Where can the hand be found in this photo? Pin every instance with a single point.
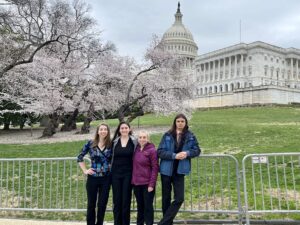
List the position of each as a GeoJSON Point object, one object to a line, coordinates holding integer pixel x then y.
{"type": "Point", "coordinates": [150, 189]}
{"type": "Point", "coordinates": [181, 155]}
{"type": "Point", "coordinates": [90, 171]}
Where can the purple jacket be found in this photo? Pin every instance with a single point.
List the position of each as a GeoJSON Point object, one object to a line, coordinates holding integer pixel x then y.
{"type": "Point", "coordinates": [145, 166]}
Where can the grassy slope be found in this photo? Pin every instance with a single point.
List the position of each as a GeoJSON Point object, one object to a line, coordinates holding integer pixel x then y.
{"type": "Point", "coordinates": [236, 131]}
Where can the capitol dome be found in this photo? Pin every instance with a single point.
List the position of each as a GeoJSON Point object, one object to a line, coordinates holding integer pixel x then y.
{"type": "Point", "coordinates": [179, 39]}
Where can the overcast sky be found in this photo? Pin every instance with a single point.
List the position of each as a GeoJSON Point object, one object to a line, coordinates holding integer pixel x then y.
{"type": "Point", "coordinates": [214, 24]}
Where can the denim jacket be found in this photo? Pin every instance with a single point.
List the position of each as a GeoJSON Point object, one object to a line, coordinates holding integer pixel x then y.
{"type": "Point", "coordinates": [167, 156]}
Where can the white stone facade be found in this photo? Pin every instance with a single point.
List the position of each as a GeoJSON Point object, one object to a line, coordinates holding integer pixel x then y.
{"type": "Point", "coordinates": [257, 66]}
{"type": "Point", "coordinates": [255, 73]}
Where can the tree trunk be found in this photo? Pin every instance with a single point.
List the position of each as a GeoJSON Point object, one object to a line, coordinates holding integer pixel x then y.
{"type": "Point", "coordinates": [6, 125]}
{"type": "Point", "coordinates": [70, 122]}
{"type": "Point", "coordinates": [50, 129]}
{"type": "Point", "coordinates": [134, 115]}
{"type": "Point", "coordinates": [22, 122]}
{"type": "Point", "coordinates": [85, 129]}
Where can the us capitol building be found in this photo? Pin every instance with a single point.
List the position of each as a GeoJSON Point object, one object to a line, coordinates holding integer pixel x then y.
{"type": "Point", "coordinates": [242, 74]}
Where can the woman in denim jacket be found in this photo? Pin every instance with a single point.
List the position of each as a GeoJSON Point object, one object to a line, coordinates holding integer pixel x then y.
{"type": "Point", "coordinates": [99, 179]}
{"type": "Point", "coordinates": [175, 151]}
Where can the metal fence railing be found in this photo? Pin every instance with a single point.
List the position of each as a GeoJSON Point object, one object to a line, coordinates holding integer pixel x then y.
{"type": "Point", "coordinates": [271, 184]}
{"type": "Point", "coordinates": [41, 184]}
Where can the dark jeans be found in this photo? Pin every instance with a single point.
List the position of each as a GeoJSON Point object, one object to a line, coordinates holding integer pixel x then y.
{"type": "Point", "coordinates": [144, 200]}
{"type": "Point", "coordinates": [97, 187]}
{"type": "Point", "coordinates": [170, 209]}
{"type": "Point", "coordinates": [121, 199]}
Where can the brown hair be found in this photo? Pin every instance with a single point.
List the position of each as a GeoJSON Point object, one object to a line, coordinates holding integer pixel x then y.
{"type": "Point", "coordinates": [117, 132]}
{"type": "Point", "coordinates": [173, 128]}
{"type": "Point", "coordinates": [107, 140]}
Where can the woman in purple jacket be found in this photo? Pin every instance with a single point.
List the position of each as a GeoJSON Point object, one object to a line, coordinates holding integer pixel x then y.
{"type": "Point", "coordinates": [144, 175]}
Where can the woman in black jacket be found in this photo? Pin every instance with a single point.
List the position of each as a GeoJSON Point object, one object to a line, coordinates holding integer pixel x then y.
{"type": "Point", "coordinates": [123, 147]}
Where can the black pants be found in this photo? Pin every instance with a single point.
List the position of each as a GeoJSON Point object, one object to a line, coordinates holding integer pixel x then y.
{"type": "Point", "coordinates": [121, 199]}
{"type": "Point", "coordinates": [144, 200]}
{"type": "Point", "coordinates": [97, 187]}
{"type": "Point", "coordinates": [170, 210]}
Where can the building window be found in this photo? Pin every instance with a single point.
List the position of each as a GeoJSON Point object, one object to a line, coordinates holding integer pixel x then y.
{"type": "Point", "coordinates": [266, 58]}
{"type": "Point", "coordinates": [250, 70]}
{"type": "Point", "coordinates": [271, 59]}
{"type": "Point", "coordinates": [250, 58]}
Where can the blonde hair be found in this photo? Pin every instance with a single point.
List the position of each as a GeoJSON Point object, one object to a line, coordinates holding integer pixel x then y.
{"type": "Point", "coordinates": [147, 134]}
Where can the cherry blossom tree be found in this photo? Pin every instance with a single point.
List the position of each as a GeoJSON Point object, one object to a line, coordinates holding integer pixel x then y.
{"type": "Point", "coordinates": [29, 26]}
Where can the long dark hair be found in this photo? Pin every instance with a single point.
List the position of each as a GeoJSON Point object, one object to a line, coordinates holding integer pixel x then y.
{"type": "Point", "coordinates": [173, 128]}
{"type": "Point", "coordinates": [117, 132]}
{"type": "Point", "coordinates": [107, 140]}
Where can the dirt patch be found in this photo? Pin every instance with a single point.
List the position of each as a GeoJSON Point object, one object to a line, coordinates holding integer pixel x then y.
{"type": "Point", "coordinates": [27, 137]}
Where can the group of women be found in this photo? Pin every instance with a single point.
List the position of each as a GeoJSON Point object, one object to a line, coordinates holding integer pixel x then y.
{"type": "Point", "coordinates": [127, 163]}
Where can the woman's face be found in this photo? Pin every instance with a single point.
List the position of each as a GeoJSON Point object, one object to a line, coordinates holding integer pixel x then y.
{"type": "Point", "coordinates": [103, 131]}
{"type": "Point", "coordinates": [143, 139]}
{"type": "Point", "coordinates": [180, 123]}
{"type": "Point", "coordinates": [124, 130]}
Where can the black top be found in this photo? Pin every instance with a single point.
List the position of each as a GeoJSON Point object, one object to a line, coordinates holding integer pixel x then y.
{"type": "Point", "coordinates": [122, 165]}
{"type": "Point", "coordinates": [177, 148]}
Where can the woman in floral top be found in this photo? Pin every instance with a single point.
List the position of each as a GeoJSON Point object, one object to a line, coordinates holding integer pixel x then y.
{"type": "Point", "coordinates": [99, 178]}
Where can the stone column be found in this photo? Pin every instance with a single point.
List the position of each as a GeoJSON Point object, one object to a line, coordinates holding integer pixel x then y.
{"type": "Point", "coordinates": [214, 70]}
{"type": "Point", "coordinates": [224, 68]}
{"type": "Point", "coordinates": [209, 70]}
{"type": "Point", "coordinates": [242, 66]}
{"type": "Point", "coordinates": [219, 69]}
{"type": "Point", "coordinates": [292, 69]}
{"type": "Point", "coordinates": [297, 69]}
{"type": "Point", "coordinates": [204, 70]}
{"type": "Point", "coordinates": [235, 66]}
{"type": "Point", "coordinates": [229, 68]}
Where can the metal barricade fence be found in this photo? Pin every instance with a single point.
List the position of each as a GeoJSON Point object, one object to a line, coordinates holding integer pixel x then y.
{"type": "Point", "coordinates": [271, 183]}
{"type": "Point", "coordinates": [41, 184]}
{"type": "Point", "coordinates": [58, 184]}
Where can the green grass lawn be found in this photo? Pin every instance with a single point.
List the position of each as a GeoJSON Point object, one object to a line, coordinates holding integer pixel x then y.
{"type": "Point", "coordinates": [235, 131]}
